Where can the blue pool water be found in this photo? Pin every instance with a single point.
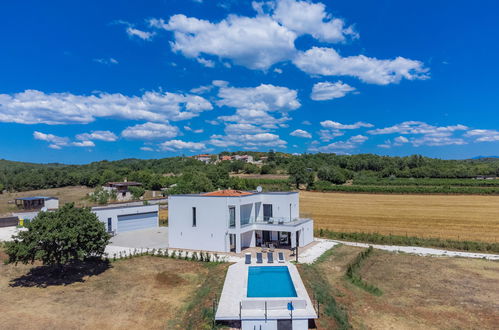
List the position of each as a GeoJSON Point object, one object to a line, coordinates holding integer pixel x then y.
{"type": "Point", "coordinates": [270, 281]}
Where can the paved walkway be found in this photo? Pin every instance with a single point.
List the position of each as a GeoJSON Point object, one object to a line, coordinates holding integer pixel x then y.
{"type": "Point", "coordinates": [7, 232]}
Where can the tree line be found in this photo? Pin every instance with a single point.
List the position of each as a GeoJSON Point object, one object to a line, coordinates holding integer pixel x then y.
{"type": "Point", "coordinates": [185, 174]}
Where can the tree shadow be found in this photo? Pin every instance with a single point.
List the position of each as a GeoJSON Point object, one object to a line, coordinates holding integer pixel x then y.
{"type": "Point", "coordinates": [76, 271]}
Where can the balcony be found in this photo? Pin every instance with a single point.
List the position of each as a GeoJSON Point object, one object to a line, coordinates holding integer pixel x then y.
{"type": "Point", "coordinates": [281, 221]}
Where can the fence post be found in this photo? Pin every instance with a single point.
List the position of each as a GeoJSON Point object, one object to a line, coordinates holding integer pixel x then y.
{"type": "Point", "coordinates": [214, 310]}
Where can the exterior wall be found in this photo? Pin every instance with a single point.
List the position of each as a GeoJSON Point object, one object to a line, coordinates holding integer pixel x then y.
{"type": "Point", "coordinates": [271, 324]}
{"type": "Point", "coordinates": [259, 324]}
{"type": "Point", "coordinates": [307, 234]}
{"type": "Point", "coordinates": [52, 203]}
{"type": "Point", "coordinates": [212, 216]}
{"type": "Point", "coordinates": [212, 230]}
{"type": "Point", "coordinates": [103, 213]}
{"type": "Point", "coordinates": [248, 239]}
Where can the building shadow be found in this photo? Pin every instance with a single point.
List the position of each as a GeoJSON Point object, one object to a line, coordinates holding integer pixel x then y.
{"type": "Point", "coordinates": [76, 271]}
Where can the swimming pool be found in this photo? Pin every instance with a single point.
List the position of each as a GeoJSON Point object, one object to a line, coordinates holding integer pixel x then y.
{"type": "Point", "coordinates": [270, 281]}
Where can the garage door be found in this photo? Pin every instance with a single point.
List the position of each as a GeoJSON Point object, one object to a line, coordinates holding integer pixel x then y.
{"type": "Point", "coordinates": [137, 221]}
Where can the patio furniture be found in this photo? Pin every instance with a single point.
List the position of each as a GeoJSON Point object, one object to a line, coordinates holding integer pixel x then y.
{"type": "Point", "coordinates": [259, 258]}
{"type": "Point", "coordinates": [280, 257]}
{"type": "Point", "coordinates": [247, 258]}
{"type": "Point", "coordinates": [271, 247]}
{"type": "Point", "coordinates": [270, 257]}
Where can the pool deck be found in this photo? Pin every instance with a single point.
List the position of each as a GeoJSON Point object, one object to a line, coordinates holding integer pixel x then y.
{"type": "Point", "coordinates": [235, 305]}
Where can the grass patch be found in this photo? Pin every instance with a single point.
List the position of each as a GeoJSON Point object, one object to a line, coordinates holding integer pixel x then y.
{"type": "Point", "coordinates": [352, 273]}
{"type": "Point", "coordinates": [199, 311]}
{"type": "Point", "coordinates": [375, 238]}
{"type": "Point", "coordinates": [321, 290]}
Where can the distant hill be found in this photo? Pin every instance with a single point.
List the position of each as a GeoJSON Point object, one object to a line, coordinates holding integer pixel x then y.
{"type": "Point", "coordinates": [485, 157]}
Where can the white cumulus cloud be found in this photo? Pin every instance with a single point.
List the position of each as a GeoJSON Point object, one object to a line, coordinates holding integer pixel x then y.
{"type": "Point", "coordinates": [327, 62]}
{"type": "Point", "coordinates": [483, 135]}
{"type": "Point", "coordinates": [301, 133]}
{"type": "Point", "coordinates": [149, 131]}
{"type": "Point", "coordinates": [304, 17]}
{"type": "Point", "coordinates": [36, 107]}
{"type": "Point", "coordinates": [327, 91]}
{"type": "Point", "coordinates": [107, 136]}
{"type": "Point", "coordinates": [265, 97]}
{"type": "Point", "coordinates": [176, 145]}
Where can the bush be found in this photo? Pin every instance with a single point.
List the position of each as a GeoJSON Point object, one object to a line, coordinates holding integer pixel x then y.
{"type": "Point", "coordinates": [375, 238]}
{"type": "Point", "coordinates": [137, 192]}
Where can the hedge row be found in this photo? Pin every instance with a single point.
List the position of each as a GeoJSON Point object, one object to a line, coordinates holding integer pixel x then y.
{"type": "Point", "coordinates": [353, 275]}
{"type": "Point", "coordinates": [375, 238]}
{"type": "Point", "coordinates": [425, 182]}
{"type": "Point", "coordinates": [456, 190]}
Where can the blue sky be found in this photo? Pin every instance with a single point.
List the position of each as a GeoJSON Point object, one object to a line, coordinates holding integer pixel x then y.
{"type": "Point", "coordinates": [89, 80]}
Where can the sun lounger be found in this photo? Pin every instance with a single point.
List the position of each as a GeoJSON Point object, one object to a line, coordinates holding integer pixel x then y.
{"type": "Point", "coordinates": [259, 258]}
{"type": "Point", "coordinates": [270, 257]}
{"type": "Point", "coordinates": [247, 258]}
{"type": "Point", "coordinates": [280, 257]}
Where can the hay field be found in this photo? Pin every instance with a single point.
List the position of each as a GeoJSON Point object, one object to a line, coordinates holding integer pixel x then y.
{"type": "Point", "coordinates": [462, 217]}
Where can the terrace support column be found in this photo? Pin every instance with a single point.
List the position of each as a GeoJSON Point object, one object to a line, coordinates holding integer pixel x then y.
{"type": "Point", "coordinates": [238, 243]}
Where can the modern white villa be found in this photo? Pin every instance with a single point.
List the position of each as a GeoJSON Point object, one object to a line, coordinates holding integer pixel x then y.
{"type": "Point", "coordinates": [232, 220]}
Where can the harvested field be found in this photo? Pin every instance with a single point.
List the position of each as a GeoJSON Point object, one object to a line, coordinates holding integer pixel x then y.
{"type": "Point", "coordinates": [74, 194]}
{"type": "Point", "coordinates": [460, 217]}
{"type": "Point", "coordinates": [418, 292]}
{"type": "Point", "coordinates": [139, 293]}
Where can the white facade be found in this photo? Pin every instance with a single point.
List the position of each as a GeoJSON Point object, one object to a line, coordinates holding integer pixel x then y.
{"type": "Point", "coordinates": [126, 218]}
{"type": "Point", "coordinates": [232, 223]}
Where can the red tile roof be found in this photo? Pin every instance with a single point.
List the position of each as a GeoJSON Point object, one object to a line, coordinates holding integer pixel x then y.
{"type": "Point", "coordinates": [228, 193]}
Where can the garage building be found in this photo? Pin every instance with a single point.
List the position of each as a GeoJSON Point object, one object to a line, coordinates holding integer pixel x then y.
{"type": "Point", "coordinates": [119, 219]}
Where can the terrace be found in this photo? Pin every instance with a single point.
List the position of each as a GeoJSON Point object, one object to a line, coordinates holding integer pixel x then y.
{"type": "Point", "coordinates": [237, 303]}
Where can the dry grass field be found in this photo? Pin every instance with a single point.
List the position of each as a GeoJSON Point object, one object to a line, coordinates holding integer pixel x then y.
{"type": "Point", "coordinates": [66, 195]}
{"type": "Point", "coordinates": [140, 293]}
{"type": "Point", "coordinates": [418, 292]}
{"type": "Point", "coordinates": [462, 217]}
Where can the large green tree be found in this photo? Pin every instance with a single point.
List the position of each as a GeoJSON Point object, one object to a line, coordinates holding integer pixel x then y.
{"type": "Point", "coordinates": [60, 237]}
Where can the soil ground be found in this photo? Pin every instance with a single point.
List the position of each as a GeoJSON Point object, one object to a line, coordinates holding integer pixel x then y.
{"type": "Point", "coordinates": [468, 217]}
{"type": "Point", "coordinates": [139, 293]}
{"type": "Point", "coordinates": [418, 292]}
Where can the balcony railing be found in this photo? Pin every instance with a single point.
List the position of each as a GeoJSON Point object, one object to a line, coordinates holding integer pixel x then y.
{"type": "Point", "coordinates": [268, 221]}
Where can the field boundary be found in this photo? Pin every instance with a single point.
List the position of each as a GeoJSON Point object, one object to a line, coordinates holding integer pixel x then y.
{"type": "Point", "coordinates": [353, 276]}
{"type": "Point", "coordinates": [410, 241]}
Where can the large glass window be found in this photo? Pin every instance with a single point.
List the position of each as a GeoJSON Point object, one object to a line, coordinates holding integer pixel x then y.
{"type": "Point", "coordinates": [232, 216]}
{"type": "Point", "coordinates": [194, 220]}
{"type": "Point", "coordinates": [267, 212]}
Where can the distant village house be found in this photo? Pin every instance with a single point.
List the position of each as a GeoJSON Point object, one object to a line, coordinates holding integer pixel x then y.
{"type": "Point", "coordinates": [121, 189]}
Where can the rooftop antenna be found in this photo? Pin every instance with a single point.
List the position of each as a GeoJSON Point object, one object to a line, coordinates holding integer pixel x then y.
{"type": "Point", "coordinates": [259, 189]}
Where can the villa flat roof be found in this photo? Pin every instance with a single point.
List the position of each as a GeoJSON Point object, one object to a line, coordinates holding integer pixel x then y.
{"type": "Point", "coordinates": [237, 193]}
{"type": "Point", "coordinates": [229, 193]}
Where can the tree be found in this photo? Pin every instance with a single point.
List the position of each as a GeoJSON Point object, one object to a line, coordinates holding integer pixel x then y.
{"type": "Point", "coordinates": [137, 192]}
{"type": "Point", "coordinates": [298, 173]}
{"type": "Point", "coordinates": [1, 188]}
{"type": "Point", "coordinates": [332, 174]}
{"type": "Point", "coordinates": [59, 237]}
